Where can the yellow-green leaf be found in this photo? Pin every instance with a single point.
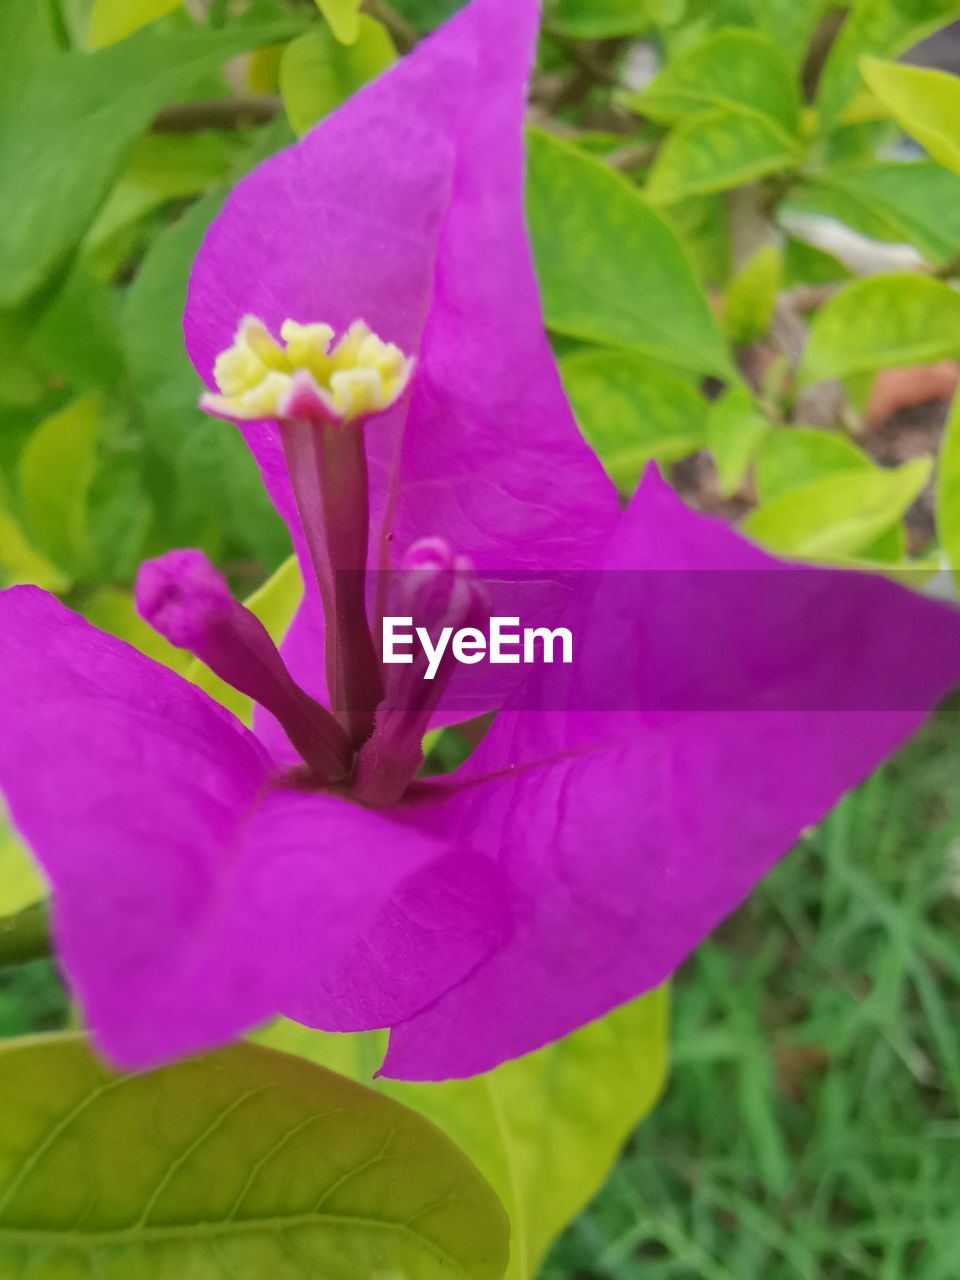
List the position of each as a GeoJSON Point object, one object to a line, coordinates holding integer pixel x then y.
{"type": "Point", "coordinates": [602, 19]}
{"type": "Point", "coordinates": [925, 103]}
{"type": "Point", "coordinates": [883, 323]}
{"type": "Point", "coordinates": [884, 28]}
{"type": "Point", "coordinates": [343, 18]}
{"type": "Point", "coordinates": [113, 20]}
{"type": "Point", "coordinates": [56, 469]}
{"type": "Point", "coordinates": [752, 296]}
{"type": "Point", "coordinates": [716, 151]}
{"type": "Point", "coordinates": [318, 73]}
{"type": "Point", "coordinates": [793, 457]}
{"type": "Point", "coordinates": [544, 1129]}
{"type": "Point", "coordinates": [611, 270]}
{"type": "Point", "coordinates": [735, 70]}
{"type": "Point", "coordinates": [275, 604]}
{"type": "Point", "coordinates": [633, 412]}
{"type": "Point", "coordinates": [245, 1163]}
{"type": "Point", "coordinates": [735, 430]}
{"type": "Point", "coordinates": [841, 515]}
{"type": "Point", "coordinates": [20, 562]}
{"type": "Point", "coordinates": [948, 490]}
{"type": "Point", "coordinates": [21, 884]}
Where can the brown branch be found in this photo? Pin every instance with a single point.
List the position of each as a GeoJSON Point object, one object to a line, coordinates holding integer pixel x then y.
{"type": "Point", "coordinates": [218, 113]}
{"type": "Point", "coordinates": [404, 35]}
{"type": "Point", "coordinates": [632, 156]}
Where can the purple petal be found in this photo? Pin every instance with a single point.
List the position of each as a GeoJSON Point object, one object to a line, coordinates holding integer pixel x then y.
{"type": "Point", "coordinates": [625, 837]}
{"type": "Point", "coordinates": [405, 208]}
{"type": "Point", "coordinates": [192, 900]}
{"type": "Point", "coordinates": [434, 932]}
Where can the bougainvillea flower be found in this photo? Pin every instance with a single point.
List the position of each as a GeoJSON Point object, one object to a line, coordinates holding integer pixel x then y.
{"type": "Point", "coordinates": [365, 309]}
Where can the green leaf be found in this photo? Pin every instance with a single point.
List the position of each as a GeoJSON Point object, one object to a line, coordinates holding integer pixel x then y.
{"type": "Point", "coordinates": [205, 484]}
{"type": "Point", "coordinates": [886, 28]}
{"type": "Point", "coordinates": [739, 71]}
{"type": "Point", "coordinates": [917, 203]}
{"type": "Point", "coordinates": [73, 126]}
{"type": "Point", "coordinates": [21, 562]}
{"type": "Point", "coordinates": [21, 884]}
{"type": "Point", "coordinates": [243, 1163]}
{"type": "Point", "coordinates": [427, 15]}
{"type": "Point", "coordinates": [275, 604]}
{"type": "Point", "coordinates": [790, 23]}
{"type": "Point", "coordinates": [27, 43]}
{"type": "Point", "coordinates": [544, 1129]}
{"type": "Point", "coordinates": [702, 225]}
{"type": "Point", "coordinates": [792, 458]}
{"type": "Point", "coordinates": [796, 457]}
{"type": "Point", "coordinates": [56, 469]}
{"type": "Point", "coordinates": [752, 296]}
{"type": "Point", "coordinates": [601, 19]}
{"type": "Point", "coordinates": [716, 151]}
{"type": "Point", "coordinates": [318, 72]}
{"type": "Point", "coordinates": [22, 382]}
{"type": "Point", "coordinates": [343, 18]}
{"type": "Point", "coordinates": [611, 270]}
{"type": "Point", "coordinates": [114, 20]}
{"type": "Point", "coordinates": [76, 337]}
{"type": "Point", "coordinates": [841, 515]}
{"type": "Point", "coordinates": [735, 430]}
{"type": "Point", "coordinates": [632, 412]}
{"type": "Point", "coordinates": [948, 490]}
{"type": "Point", "coordinates": [925, 103]}
{"type": "Point", "coordinates": [883, 322]}
{"type": "Point", "coordinates": [163, 167]}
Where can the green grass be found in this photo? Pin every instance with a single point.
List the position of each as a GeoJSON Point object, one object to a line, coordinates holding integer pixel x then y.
{"type": "Point", "coordinates": [811, 1127]}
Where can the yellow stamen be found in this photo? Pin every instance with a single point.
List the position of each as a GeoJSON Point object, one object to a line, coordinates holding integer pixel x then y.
{"type": "Point", "coordinates": [259, 377]}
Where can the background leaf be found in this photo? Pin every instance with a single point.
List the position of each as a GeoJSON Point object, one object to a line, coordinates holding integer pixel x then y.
{"type": "Point", "coordinates": [21, 884]}
{"type": "Point", "coordinates": [752, 296]}
{"type": "Point", "coordinates": [611, 270]}
{"type": "Point", "coordinates": [319, 71]}
{"type": "Point", "coordinates": [543, 1129]}
{"type": "Point", "coordinates": [204, 482]}
{"type": "Point", "coordinates": [113, 20]}
{"type": "Point", "coordinates": [883, 27]}
{"type": "Point", "coordinates": [839, 516]}
{"type": "Point", "coordinates": [925, 103]}
{"type": "Point", "coordinates": [245, 1162]}
{"type": "Point", "coordinates": [601, 19]}
{"type": "Point", "coordinates": [880, 323]}
{"type": "Point", "coordinates": [56, 470]}
{"type": "Point", "coordinates": [716, 151]}
{"type": "Point", "coordinates": [732, 71]}
{"type": "Point", "coordinates": [632, 412]}
{"type": "Point", "coordinates": [72, 128]}
{"type": "Point", "coordinates": [791, 459]}
{"type": "Point", "coordinates": [735, 429]}
{"type": "Point", "coordinates": [343, 18]}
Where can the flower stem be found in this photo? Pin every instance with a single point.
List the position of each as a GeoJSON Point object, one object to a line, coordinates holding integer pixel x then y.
{"type": "Point", "coordinates": [328, 469]}
{"type": "Point", "coordinates": [356, 685]}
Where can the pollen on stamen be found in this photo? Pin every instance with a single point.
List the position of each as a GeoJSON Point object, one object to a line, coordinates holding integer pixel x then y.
{"type": "Point", "coordinates": [306, 376]}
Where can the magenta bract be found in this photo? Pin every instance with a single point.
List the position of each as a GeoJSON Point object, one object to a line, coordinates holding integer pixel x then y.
{"type": "Point", "coordinates": [204, 880]}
